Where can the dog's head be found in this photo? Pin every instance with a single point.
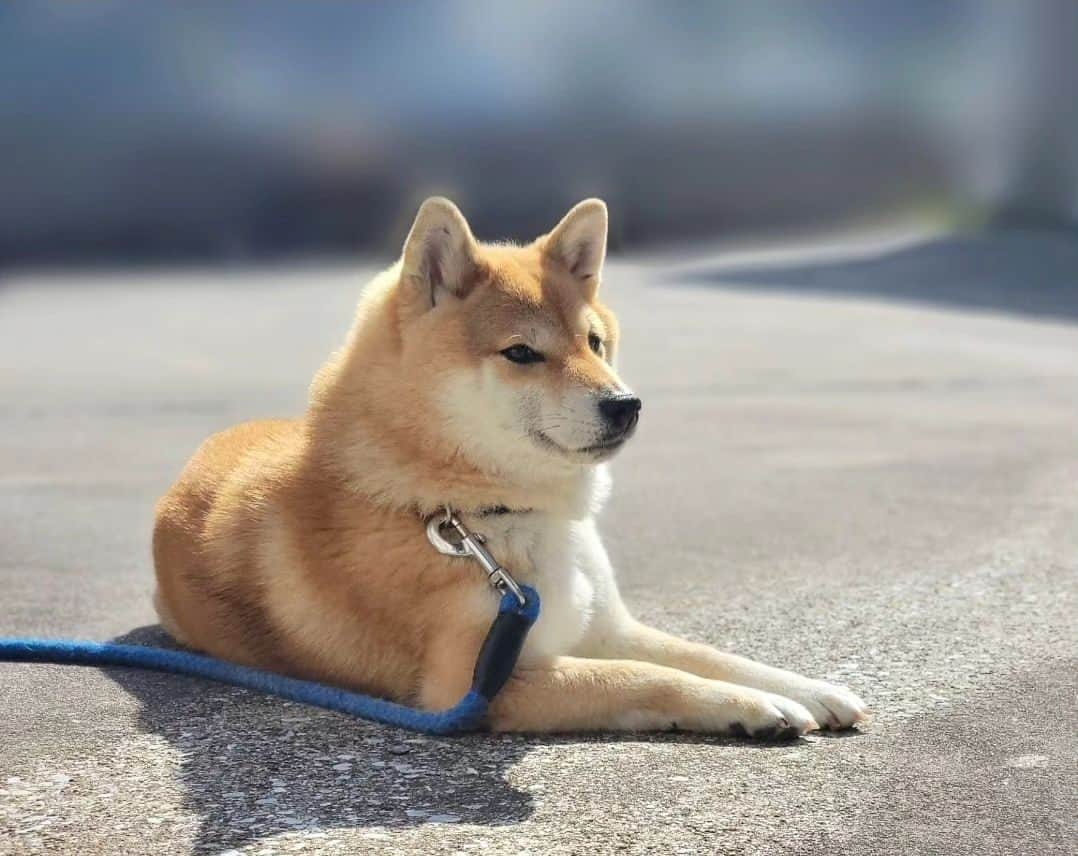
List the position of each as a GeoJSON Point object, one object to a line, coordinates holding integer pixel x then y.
{"type": "Point", "coordinates": [511, 346]}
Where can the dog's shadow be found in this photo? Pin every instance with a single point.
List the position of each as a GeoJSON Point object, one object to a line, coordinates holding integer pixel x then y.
{"type": "Point", "coordinates": [253, 766]}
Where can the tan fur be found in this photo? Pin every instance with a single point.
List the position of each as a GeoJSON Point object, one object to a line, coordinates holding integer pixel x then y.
{"type": "Point", "coordinates": [298, 545]}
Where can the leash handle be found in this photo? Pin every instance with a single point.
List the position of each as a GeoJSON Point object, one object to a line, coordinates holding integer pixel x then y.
{"type": "Point", "coordinates": [505, 639]}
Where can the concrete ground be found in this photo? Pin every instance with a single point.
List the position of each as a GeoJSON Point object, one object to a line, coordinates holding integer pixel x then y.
{"type": "Point", "coordinates": [860, 462]}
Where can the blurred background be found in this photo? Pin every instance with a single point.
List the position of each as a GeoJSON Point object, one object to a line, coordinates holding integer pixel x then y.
{"type": "Point", "coordinates": [206, 132]}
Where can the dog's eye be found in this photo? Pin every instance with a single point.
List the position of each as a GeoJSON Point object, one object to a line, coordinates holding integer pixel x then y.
{"type": "Point", "coordinates": [522, 354]}
{"type": "Point", "coordinates": [595, 343]}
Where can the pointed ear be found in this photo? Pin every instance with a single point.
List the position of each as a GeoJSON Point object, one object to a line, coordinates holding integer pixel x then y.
{"type": "Point", "coordinates": [579, 241]}
{"type": "Point", "coordinates": [439, 256]}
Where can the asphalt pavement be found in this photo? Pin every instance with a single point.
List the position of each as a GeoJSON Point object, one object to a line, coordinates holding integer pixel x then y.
{"type": "Point", "coordinates": [856, 460]}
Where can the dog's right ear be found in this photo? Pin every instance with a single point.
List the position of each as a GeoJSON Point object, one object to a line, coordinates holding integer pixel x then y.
{"type": "Point", "coordinates": [439, 257]}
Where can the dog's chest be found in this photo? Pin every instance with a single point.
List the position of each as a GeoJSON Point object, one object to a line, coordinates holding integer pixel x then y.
{"type": "Point", "coordinates": [546, 554]}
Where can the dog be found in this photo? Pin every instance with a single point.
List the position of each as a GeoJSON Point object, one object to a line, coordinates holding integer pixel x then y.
{"type": "Point", "coordinates": [480, 377]}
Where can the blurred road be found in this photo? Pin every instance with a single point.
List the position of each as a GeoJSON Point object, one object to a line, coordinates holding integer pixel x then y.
{"type": "Point", "coordinates": [875, 490]}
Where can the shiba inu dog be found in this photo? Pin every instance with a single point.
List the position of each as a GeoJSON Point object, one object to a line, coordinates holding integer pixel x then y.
{"type": "Point", "coordinates": [482, 377]}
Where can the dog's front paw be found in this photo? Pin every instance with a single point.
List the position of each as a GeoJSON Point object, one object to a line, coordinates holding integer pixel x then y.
{"type": "Point", "coordinates": [771, 717]}
{"type": "Point", "coordinates": [834, 707]}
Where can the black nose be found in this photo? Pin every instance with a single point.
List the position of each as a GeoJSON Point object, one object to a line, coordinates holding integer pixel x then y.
{"type": "Point", "coordinates": [620, 411]}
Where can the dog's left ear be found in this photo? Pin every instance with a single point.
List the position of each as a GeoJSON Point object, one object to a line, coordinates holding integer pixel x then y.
{"type": "Point", "coordinates": [439, 255]}
{"type": "Point", "coordinates": [579, 242]}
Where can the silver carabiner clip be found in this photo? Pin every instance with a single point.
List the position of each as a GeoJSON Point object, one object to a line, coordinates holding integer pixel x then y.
{"type": "Point", "coordinates": [439, 542]}
{"type": "Point", "coordinates": [471, 546]}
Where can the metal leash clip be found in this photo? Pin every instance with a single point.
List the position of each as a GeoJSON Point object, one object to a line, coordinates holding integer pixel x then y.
{"type": "Point", "coordinates": [471, 546]}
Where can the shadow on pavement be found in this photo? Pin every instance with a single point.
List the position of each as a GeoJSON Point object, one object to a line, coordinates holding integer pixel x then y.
{"type": "Point", "coordinates": [254, 766]}
{"type": "Point", "coordinates": [1030, 273]}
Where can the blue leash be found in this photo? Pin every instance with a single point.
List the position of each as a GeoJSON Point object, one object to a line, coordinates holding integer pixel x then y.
{"type": "Point", "coordinates": [495, 663]}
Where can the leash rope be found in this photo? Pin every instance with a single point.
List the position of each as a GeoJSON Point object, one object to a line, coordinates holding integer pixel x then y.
{"type": "Point", "coordinates": [517, 612]}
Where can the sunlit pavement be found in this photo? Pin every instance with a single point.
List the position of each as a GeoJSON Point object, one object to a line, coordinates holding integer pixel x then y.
{"type": "Point", "coordinates": [878, 491]}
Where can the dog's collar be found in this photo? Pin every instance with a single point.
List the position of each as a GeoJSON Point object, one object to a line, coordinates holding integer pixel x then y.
{"type": "Point", "coordinates": [498, 510]}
